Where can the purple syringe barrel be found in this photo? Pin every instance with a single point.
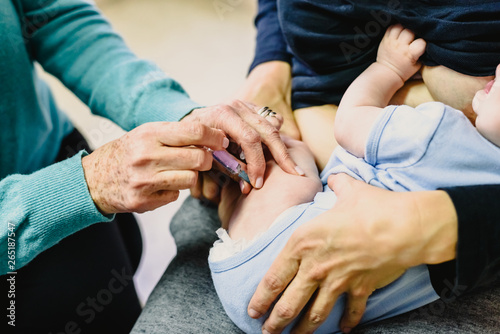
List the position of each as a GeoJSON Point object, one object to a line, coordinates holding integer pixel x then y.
{"type": "Point", "coordinates": [227, 160]}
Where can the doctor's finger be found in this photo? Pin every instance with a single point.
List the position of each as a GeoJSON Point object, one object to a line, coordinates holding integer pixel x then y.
{"type": "Point", "coordinates": [295, 297]}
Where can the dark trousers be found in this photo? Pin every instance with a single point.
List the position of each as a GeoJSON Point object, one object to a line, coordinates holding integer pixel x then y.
{"type": "Point", "coordinates": [84, 283]}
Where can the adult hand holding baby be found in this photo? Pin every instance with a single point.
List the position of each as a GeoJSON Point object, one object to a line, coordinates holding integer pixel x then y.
{"type": "Point", "coordinates": [366, 248]}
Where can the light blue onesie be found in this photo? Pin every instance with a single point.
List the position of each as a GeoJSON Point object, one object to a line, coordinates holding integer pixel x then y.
{"type": "Point", "coordinates": [408, 149]}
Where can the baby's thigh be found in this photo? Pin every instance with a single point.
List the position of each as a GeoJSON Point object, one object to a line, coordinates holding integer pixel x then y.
{"type": "Point", "coordinates": [413, 93]}
{"type": "Point", "coordinates": [316, 129]}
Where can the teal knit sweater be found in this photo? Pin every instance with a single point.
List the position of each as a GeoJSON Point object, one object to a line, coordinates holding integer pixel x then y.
{"type": "Point", "coordinates": [41, 202]}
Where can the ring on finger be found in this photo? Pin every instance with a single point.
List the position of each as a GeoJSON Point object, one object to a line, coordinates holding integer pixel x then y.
{"type": "Point", "coordinates": [265, 111]}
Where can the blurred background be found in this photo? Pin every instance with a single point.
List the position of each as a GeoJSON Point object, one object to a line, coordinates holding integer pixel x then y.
{"type": "Point", "coordinates": [206, 45]}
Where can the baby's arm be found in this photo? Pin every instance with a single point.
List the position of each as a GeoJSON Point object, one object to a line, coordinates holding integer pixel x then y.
{"type": "Point", "coordinates": [364, 100]}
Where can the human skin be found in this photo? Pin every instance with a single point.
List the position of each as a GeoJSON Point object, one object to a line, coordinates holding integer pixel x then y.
{"type": "Point", "coordinates": [452, 88]}
{"type": "Point", "coordinates": [250, 131]}
{"type": "Point", "coordinates": [268, 84]}
{"type": "Point", "coordinates": [486, 105]}
{"type": "Point", "coordinates": [397, 60]}
{"type": "Point", "coordinates": [277, 95]}
{"type": "Point", "coordinates": [241, 122]}
{"type": "Point", "coordinates": [353, 248]}
{"type": "Point", "coordinates": [316, 123]}
{"type": "Point", "coordinates": [145, 168]}
{"type": "Point", "coordinates": [439, 84]}
{"type": "Point", "coordinates": [362, 252]}
{"type": "Point", "coordinates": [369, 94]}
{"type": "Point", "coordinates": [246, 216]}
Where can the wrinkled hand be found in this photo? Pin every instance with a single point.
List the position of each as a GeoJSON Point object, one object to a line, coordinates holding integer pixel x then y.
{"type": "Point", "coordinates": [240, 121]}
{"type": "Point", "coordinates": [400, 51]}
{"type": "Point", "coordinates": [146, 167]}
{"type": "Point", "coordinates": [364, 242]}
{"type": "Point", "coordinates": [269, 84]}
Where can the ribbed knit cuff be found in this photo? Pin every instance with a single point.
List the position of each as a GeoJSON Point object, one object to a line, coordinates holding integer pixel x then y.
{"type": "Point", "coordinates": [59, 202]}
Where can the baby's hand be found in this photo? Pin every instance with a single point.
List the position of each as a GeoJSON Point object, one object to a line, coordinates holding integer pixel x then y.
{"type": "Point", "coordinates": [399, 50]}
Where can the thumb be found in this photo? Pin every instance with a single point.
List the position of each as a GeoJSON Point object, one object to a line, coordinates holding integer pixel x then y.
{"type": "Point", "coordinates": [340, 183]}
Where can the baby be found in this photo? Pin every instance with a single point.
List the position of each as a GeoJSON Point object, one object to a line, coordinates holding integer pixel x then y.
{"type": "Point", "coordinates": [395, 147]}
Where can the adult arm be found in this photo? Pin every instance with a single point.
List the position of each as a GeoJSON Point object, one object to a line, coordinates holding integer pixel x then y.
{"type": "Point", "coordinates": [40, 209]}
{"type": "Point", "coordinates": [269, 80]}
{"type": "Point", "coordinates": [268, 84]}
{"type": "Point", "coordinates": [140, 171]}
{"type": "Point", "coordinates": [75, 43]}
{"type": "Point", "coordinates": [270, 43]}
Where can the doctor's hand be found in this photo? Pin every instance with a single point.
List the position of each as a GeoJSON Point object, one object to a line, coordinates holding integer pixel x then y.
{"type": "Point", "coordinates": [270, 84]}
{"type": "Point", "coordinates": [145, 168]}
{"type": "Point", "coordinates": [366, 241]}
{"type": "Point", "coordinates": [241, 122]}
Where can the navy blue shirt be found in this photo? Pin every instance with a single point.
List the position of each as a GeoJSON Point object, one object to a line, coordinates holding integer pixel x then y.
{"type": "Point", "coordinates": [329, 43]}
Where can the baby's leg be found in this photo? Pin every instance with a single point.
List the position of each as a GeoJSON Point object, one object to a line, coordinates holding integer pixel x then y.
{"type": "Point", "coordinates": [237, 277]}
{"type": "Point", "coordinates": [412, 94]}
{"type": "Point", "coordinates": [316, 129]}
{"type": "Point", "coordinates": [250, 215]}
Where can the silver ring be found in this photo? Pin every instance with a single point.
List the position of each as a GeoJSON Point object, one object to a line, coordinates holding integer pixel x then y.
{"type": "Point", "coordinates": [264, 111]}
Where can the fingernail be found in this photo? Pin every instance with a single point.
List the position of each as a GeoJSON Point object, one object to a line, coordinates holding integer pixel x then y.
{"type": "Point", "coordinates": [264, 331]}
{"type": "Point", "coordinates": [259, 183]}
{"type": "Point", "coordinates": [300, 171]}
{"type": "Point", "coordinates": [225, 142]}
{"type": "Point", "coordinates": [346, 329]}
{"type": "Point", "coordinates": [242, 185]}
{"type": "Point", "coordinates": [253, 314]}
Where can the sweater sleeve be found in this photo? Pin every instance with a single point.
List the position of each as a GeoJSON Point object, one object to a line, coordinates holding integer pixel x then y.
{"type": "Point", "coordinates": [39, 210]}
{"type": "Point", "coordinates": [478, 249]}
{"type": "Point", "coordinates": [75, 43]}
{"type": "Point", "coordinates": [270, 44]}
